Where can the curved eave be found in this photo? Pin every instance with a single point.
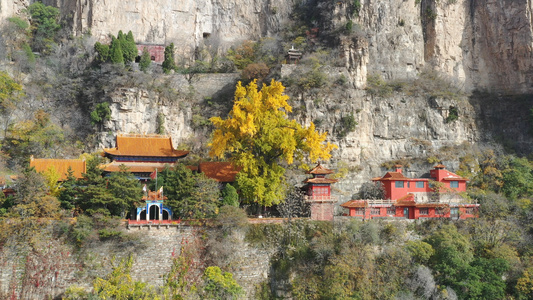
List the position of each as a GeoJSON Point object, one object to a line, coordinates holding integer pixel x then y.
{"type": "Point", "coordinates": [115, 152]}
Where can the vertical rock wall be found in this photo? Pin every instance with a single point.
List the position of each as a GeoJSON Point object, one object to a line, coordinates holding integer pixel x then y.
{"type": "Point", "coordinates": [187, 23]}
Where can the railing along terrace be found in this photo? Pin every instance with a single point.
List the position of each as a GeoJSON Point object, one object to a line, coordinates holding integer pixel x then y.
{"type": "Point", "coordinates": [320, 198]}
{"type": "Point", "coordinates": [380, 201]}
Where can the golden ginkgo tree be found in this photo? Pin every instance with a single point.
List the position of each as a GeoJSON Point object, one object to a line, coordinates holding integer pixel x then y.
{"type": "Point", "coordinates": [258, 136]}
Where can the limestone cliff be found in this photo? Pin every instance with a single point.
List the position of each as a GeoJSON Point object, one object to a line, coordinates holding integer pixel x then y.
{"type": "Point", "coordinates": [189, 24]}
{"type": "Point", "coordinates": [482, 45]}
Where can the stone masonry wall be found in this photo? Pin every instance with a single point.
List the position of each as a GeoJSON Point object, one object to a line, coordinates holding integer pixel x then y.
{"type": "Point", "coordinates": [46, 266]}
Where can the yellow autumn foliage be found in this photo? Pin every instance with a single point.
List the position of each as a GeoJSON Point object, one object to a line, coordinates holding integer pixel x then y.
{"type": "Point", "coordinates": [258, 135]}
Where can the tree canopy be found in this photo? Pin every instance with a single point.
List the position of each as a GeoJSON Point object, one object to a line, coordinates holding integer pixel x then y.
{"type": "Point", "coordinates": [259, 136]}
{"type": "Point", "coordinates": [189, 195]}
{"type": "Point", "coordinates": [10, 96]}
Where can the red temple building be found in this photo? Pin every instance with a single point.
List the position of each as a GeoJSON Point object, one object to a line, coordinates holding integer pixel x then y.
{"type": "Point", "coordinates": [438, 196]}
{"type": "Point", "coordinates": [318, 190]}
{"type": "Point", "coordinates": [142, 154]}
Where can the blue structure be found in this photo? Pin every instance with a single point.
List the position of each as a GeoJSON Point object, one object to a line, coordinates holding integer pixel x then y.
{"type": "Point", "coordinates": [153, 210]}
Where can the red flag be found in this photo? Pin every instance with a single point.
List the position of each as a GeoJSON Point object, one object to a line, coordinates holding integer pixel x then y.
{"type": "Point", "coordinates": [153, 175]}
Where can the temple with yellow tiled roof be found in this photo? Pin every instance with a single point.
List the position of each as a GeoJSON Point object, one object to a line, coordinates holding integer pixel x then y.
{"type": "Point", "coordinates": [142, 154]}
{"type": "Point", "coordinates": [61, 166]}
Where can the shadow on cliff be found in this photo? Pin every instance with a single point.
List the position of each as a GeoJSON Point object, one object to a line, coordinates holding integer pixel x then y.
{"type": "Point", "coordinates": [506, 120]}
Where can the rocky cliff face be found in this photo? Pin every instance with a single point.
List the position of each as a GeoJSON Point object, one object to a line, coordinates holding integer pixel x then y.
{"type": "Point", "coordinates": [9, 8]}
{"type": "Point", "coordinates": [487, 45]}
{"type": "Point", "coordinates": [190, 24]}
{"type": "Point", "coordinates": [482, 45]}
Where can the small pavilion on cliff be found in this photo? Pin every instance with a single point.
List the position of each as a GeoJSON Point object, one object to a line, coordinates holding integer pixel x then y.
{"type": "Point", "coordinates": [318, 189]}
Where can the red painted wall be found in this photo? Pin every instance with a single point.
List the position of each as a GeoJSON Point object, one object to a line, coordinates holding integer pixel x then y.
{"type": "Point", "coordinates": [414, 213]}
{"type": "Point", "coordinates": [409, 186]}
{"type": "Point", "coordinates": [156, 51]}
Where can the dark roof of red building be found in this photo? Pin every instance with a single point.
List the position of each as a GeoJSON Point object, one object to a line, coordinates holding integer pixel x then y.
{"type": "Point", "coordinates": [440, 166]}
{"type": "Point", "coordinates": [220, 171]}
{"type": "Point", "coordinates": [145, 145]}
{"type": "Point", "coordinates": [320, 170]}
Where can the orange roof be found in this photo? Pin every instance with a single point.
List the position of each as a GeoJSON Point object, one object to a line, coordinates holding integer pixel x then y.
{"type": "Point", "coordinates": [136, 167]}
{"type": "Point", "coordinates": [192, 168]}
{"type": "Point", "coordinates": [143, 145]}
{"type": "Point", "coordinates": [355, 203]}
{"type": "Point", "coordinates": [220, 171]}
{"type": "Point", "coordinates": [407, 200]}
{"type": "Point", "coordinates": [61, 166]}
{"type": "Point", "coordinates": [391, 176]}
{"type": "Point", "coordinates": [320, 180]}
{"type": "Point", "coordinates": [440, 166]}
{"type": "Point", "coordinates": [319, 170]}
{"type": "Point", "coordinates": [453, 176]}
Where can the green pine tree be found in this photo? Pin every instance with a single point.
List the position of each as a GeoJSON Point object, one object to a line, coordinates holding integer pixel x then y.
{"type": "Point", "coordinates": [69, 190]}
{"type": "Point", "coordinates": [178, 187]}
{"type": "Point", "coordinates": [189, 195]}
{"type": "Point", "coordinates": [129, 49]}
{"type": "Point", "coordinates": [94, 197]}
{"type": "Point", "coordinates": [126, 189]}
{"type": "Point", "coordinates": [115, 52]}
{"type": "Point", "coordinates": [145, 62]}
{"type": "Point", "coordinates": [168, 63]}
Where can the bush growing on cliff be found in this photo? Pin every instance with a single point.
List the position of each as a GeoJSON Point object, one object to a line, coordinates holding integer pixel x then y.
{"type": "Point", "coordinates": [44, 21]}
{"type": "Point", "coordinates": [347, 125]}
{"type": "Point", "coordinates": [379, 87]}
{"type": "Point", "coordinates": [100, 114]}
{"type": "Point", "coordinates": [220, 285]}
